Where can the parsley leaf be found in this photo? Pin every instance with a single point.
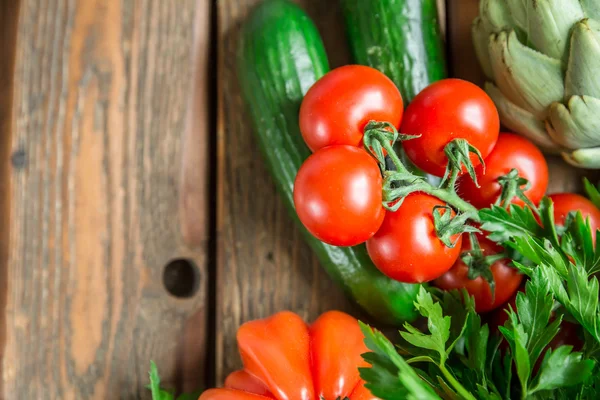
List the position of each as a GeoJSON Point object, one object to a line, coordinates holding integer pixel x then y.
{"type": "Point", "coordinates": [566, 265]}
{"type": "Point", "coordinates": [390, 376]}
{"type": "Point", "coordinates": [439, 326]}
{"type": "Point", "coordinates": [562, 368]}
{"type": "Point", "coordinates": [577, 242]}
{"type": "Point", "coordinates": [157, 392]}
{"type": "Point", "coordinates": [529, 332]}
{"type": "Point", "coordinates": [578, 294]}
{"type": "Point", "coordinates": [534, 310]}
{"type": "Point", "coordinates": [503, 225]}
{"type": "Point", "coordinates": [161, 394]}
{"type": "Point", "coordinates": [592, 192]}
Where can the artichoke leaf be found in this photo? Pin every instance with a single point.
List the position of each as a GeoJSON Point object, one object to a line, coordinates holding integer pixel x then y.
{"type": "Point", "coordinates": [550, 24]}
{"type": "Point", "coordinates": [526, 77]}
{"type": "Point", "coordinates": [591, 8]}
{"type": "Point", "coordinates": [576, 125]}
{"type": "Point", "coordinates": [481, 38]}
{"type": "Point", "coordinates": [583, 69]}
{"type": "Point", "coordinates": [521, 121]}
{"type": "Point", "coordinates": [495, 15]}
{"type": "Point", "coordinates": [518, 11]}
{"type": "Point", "coordinates": [584, 158]}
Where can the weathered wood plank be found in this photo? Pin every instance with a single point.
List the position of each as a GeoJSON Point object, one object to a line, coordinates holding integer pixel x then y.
{"type": "Point", "coordinates": [101, 97]}
{"type": "Point", "coordinates": [9, 15]}
{"type": "Point", "coordinates": [263, 265]}
{"type": "Point", "coordinates": [464, 64]}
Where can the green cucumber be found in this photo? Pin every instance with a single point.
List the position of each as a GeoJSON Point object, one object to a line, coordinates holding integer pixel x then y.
{"type": "Point", "coordinates": [280, 56]}
{"type": "Point", "coordinates": [401, 38]}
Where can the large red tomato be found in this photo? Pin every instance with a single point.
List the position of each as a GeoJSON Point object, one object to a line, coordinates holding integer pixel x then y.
{"type": "Point", "coordinates": [337, 107]}
{"type": "Point", "coordinates": [446, 110]}
{"type": "Point", "coordinates": [511, 151]}
{"type": "Point", "coordinates": [506, 278]}
{"type": "Point", "coordinates": [338, 195]}
{"type": "Point", "coordinates": [406, 247]}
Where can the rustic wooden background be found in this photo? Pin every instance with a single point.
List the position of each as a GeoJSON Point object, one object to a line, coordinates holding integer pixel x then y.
{"type": "Point", "coordinates": [124, 148]}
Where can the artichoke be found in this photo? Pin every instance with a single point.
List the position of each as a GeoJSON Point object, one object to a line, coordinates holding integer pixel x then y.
{"type": "Point", "coordinates": [542, 58]}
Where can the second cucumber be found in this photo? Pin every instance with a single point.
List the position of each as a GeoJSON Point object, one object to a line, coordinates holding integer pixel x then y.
{"type": "Point", "coordinates": [400, 38]}
{"type": "Point", "coordinates": [280, 56]}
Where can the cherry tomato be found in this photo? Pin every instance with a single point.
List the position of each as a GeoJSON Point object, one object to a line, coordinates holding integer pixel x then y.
{"type": "Point", "coordinates": [337, 107]}
{"type": "Point", "coordinates": [507, 279]}
{"type": "Point", "coordinates": [338, 195]}
{"type": "Point", "coordinates": [564, 203]}
{"type": "Point", "coordinates": [446, 110]}
{"type": "Point", "coordinates": [511, 151]}
{"type": "Point", "coordinates": [406, 247]}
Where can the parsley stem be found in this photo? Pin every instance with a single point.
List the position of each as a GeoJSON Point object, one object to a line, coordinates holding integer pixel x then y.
{"type": "Point", "coordinates": [460, 389]}
{"type": "Point", "coordinates": [420, 359]}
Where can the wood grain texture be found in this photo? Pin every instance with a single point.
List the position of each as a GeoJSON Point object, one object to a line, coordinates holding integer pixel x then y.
{"type": "Point", "coordinates": [462, 60]}
{"type": "Point", "coordinates": [263, 264]}
{"type": "Point", "coordinates": [101, 96]}
{"type": "Point", "coordinates": [9, 15]}
{"type": "Point", "coordinates": [464, 64]}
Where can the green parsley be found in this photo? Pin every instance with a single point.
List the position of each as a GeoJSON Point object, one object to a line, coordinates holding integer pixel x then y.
{"type": "Point", "coordinates": [458, 357]}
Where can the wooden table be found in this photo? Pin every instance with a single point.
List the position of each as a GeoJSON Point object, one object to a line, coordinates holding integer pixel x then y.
{"type": "Point", "coordinates": [125, 149]}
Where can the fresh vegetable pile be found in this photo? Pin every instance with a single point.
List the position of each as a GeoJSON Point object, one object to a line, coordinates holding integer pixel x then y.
{"type": "Point", "coordinates": [494, 282]}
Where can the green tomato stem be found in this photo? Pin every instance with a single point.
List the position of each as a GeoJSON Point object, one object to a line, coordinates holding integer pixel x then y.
{"type": "Point", "coordinates": [451, 198]}
{"type": "Point", "coordinates": [451, 183]}
{"type": "Point", "coordinates": [381, 134]}
{"type": "Point", "coordinates": [393, 156]}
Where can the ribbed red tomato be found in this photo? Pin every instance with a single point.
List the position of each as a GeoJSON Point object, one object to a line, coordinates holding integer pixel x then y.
{"type": "Point", "coordinates": [284, 358]}
{"type": "Point", "coordinates": [511, 151]}
{"type": "Point", "coordinates": [338, 195]}
{"type": "Point", "coordinates": [337, 107]}
{"type": "Point", "coordinates": [446, 110]}
{"type": "Point", "coordinates": [406, 247]}
{"type": "Point", "coordinates": [507, 279]}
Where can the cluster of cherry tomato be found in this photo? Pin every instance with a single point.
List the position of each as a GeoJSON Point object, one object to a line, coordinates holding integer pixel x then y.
{"type": "Point", "coordinates": [338, 190]}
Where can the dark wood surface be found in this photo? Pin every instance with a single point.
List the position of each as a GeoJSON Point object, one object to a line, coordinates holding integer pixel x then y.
{"type": "Point", "coordinates": [125, 145]}
{"type": "Point", "coordinates": [100, 188]}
